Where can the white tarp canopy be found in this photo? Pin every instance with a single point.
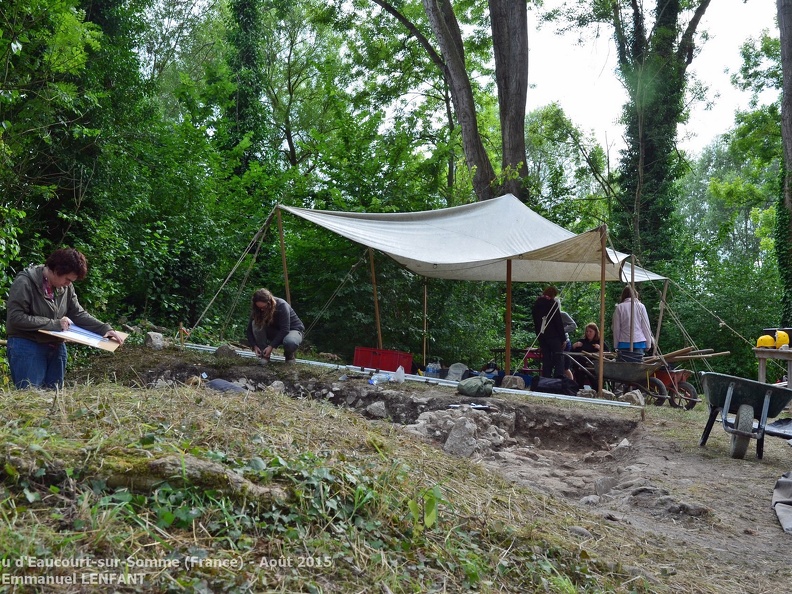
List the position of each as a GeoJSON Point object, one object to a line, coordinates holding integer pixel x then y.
{"type": "Point", "coordinates": [473, 241]}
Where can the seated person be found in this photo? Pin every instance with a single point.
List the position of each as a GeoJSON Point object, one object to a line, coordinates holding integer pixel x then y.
{"type": "Point", "coordinates": [590, 341]}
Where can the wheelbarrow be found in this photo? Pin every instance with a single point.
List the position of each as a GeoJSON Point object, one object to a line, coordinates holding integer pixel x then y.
{"type": "Point", "coordinates": [747, 400]}
{"type": "Point", "coordinates": [633, 375]}
{"type": "Point", "coordinates": [681, 393]}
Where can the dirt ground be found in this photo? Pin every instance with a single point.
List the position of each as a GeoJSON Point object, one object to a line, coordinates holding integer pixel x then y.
{"type": "Point", "coordinates": [640, 471]}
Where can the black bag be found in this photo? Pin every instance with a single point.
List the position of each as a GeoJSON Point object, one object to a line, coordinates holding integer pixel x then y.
{"type": "Point", "coordinates": [554, 385]}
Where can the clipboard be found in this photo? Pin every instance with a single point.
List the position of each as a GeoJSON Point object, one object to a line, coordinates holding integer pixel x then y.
{"type": "Point", "coordinates": [83, 336]}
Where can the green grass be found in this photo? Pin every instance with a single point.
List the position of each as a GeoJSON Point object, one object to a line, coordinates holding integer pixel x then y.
{"type": "Point", "coordinates": [369, 508]}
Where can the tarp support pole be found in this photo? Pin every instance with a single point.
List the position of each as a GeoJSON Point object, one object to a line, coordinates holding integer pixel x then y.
{"type": "Point", "coordinates": [376, 299]}
{"type": "Point", "coordinates": [632, 302]}
{"type": "Point", "coordinates": [425, 318]}
{"type": "Point", "coordinates": [507, 357]}
{"type": "Point", "coordinates": [601, 363]}
{"type": "Point", "coordinates": [283, 258]}
{"type": "Point", "coordinates": [660, 316]}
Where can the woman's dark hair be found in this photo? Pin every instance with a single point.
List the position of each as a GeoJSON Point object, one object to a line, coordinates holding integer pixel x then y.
{"type": "Point", "coordinates": [262, 317]}
{"type": "Point", "coordinates": [67, 261]}
{"type": "Point", "coordinates": [627, 292]}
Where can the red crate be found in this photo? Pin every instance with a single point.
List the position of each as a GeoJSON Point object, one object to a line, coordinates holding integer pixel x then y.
{"type": "Point", "coordinates": [382, 359]}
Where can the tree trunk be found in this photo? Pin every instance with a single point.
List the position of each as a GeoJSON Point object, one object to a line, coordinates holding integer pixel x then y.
{"type": "Point", "coordinates": [449, 38]}
{"type": "Point", "coordinates": [784, 219]}
{"type": "Point", "coordinates": [509, 22]}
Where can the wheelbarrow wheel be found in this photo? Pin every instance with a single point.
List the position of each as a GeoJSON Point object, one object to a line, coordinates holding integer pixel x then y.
{"type": "Point", "coordinates": [742, 422]}
{"type": "Point", "coordinates": [685, 395]}
{"type": "Point", "coordinates": [657, 390]}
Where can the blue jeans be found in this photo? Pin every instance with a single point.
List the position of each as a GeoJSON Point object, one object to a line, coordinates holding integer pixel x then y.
{"type": "Point", "coordinates": [638, 347]}
{"type": "Point", "coordinates": [35, 364]}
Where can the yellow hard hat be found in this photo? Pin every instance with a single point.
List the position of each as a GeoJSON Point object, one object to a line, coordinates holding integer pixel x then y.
{"type": "Point", "coordinates": [782, 338]}
{"type": "Point", "coordinates": [766, 342]}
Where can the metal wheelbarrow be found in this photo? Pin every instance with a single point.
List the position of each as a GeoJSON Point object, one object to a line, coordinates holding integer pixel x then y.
{"type": "Point", "coordinates": [747, 400]}
{"type": "Point", "coordinates": [622, 374]}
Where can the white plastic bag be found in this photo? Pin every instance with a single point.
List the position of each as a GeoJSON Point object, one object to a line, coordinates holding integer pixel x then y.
{"type": "Point", "coordinates": [398, 377]}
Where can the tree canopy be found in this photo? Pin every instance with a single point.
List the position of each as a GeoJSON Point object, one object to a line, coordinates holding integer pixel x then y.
{"type": "Point", "coordinates": [157, 137]}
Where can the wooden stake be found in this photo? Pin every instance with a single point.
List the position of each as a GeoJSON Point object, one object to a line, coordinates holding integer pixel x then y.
{"type": "Point", "coordinates": [601, 356]}
{"type": "Point", "coordinates": [376, 300]}
{"type": "Point", "coordinates": [425, 316]}
{"type": "Point", "coordinates": [507, 358]}
{"type": "Point", "coordinates": [283, 258]}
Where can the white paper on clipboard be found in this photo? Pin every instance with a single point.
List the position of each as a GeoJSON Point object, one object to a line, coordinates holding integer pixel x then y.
{"type": "Point", "coordinates": [83, 336]}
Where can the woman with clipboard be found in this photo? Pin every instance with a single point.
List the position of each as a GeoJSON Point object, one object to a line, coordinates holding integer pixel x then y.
{"type": "Point", "coordinates": [42, 300]}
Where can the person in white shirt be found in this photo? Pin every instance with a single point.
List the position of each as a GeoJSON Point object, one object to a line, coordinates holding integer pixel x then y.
{"type": "Point", "coordinates": [631, 313]}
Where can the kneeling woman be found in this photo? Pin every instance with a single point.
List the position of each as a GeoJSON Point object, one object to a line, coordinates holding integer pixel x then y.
{"type": "Point", "coordinates": [273, 323]}
{"type": "Point", "coordinates": [42, 297]}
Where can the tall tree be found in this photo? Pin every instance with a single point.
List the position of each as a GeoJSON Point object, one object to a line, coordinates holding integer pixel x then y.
{"type": "Point", "coordinates": [652, 61]}
{"type": "Point", "coordinates": [654, 48]}
{"type": "Point", "coordinates": [784, 233]}
{"type": "Point", "coordinates": [449, 39]}
{"type": "Point", "coordinates": [509, 24]}
{"type": "Point", "coordinates": [245, 113]}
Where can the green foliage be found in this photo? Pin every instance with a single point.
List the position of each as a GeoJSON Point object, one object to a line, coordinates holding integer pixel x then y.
{"type": "Point", "coordinates": [424, 513]}
{"type": "Point", "coordinates": [9, 244]}
{"type": "Point", "coordinates": [760, 67]}
{"type": "Point", "coordinates": [45, 47]}
{"type": "Point", "coordinates": [163, 159]}
{"type": "Point", "coordinates": [729, 278]}
{"type": "Point", "coordinates": [568, 179]}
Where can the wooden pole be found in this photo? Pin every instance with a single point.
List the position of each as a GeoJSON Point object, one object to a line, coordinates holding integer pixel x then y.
{"type": "Point", "coordinates": [655, 349]}
{"type": "Point", "coordinates": [425, 318]}
{"type": "Point", "coordinates": [283, 258]}
{"type": "Point", "coordinates": [632, 300]}
{"type": "Point", "coordinates": [376, 299]}
{"type": "Point", "coordinates": [507, 357]}
{"type": "Point", "coordinates": [601, 362]}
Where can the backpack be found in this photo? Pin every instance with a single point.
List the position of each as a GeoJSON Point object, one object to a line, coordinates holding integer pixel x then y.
{"type": "Point", "coordinates": [476, 386]}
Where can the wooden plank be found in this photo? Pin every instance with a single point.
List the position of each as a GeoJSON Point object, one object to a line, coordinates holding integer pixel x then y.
{"type": "Point", "coordinates": [684, 351]}
{"type": "Point", "coordinates": [707, 356]}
